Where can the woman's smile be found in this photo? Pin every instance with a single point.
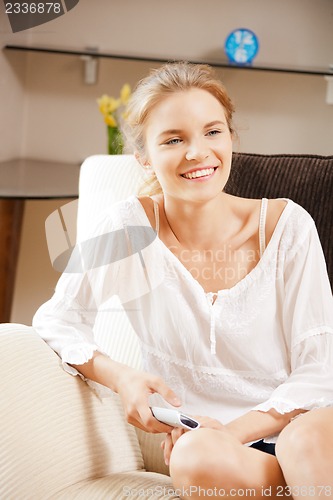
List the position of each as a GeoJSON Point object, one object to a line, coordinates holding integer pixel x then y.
{"type": "Point", "coordinates": [199, 174]}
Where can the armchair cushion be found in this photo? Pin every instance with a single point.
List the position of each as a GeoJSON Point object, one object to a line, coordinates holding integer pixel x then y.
{"type": "Point", "coordinates": [55, 431]}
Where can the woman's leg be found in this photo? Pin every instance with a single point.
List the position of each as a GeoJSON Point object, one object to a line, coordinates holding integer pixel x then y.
{"type": "Point", "coordinates": [305, 453]}
{"type": "Point", "coordinates": [207, 460]}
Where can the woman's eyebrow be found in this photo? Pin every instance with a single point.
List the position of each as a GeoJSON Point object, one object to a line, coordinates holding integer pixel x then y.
{"type": "Point", "coordinates": [171, 131]}
{"type": "Point", "coordinates": [213, 123]}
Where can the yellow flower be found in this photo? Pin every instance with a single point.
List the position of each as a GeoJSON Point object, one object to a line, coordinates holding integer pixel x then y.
{"type": "Point", "coordinates": [103, 104]}
{"type": "Point", "coordinates": [125, 93]}
{"type": "Point", "coordinates": [109, 106]}
{"type": "Point", "coordinates": [110, 120]}
{"type": "Point", "coordinates": [114, 104]}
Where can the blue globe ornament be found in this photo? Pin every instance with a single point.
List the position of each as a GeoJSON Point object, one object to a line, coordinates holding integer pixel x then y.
{"type": "Point", "coordinates": [241, 46]}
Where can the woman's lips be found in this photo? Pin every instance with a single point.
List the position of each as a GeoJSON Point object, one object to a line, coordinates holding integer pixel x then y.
{"type": "Point", "coordinates": [199, 174]}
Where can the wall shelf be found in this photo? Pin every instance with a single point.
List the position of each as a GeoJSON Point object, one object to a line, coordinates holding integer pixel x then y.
{"type": "Point", "coordinates": [90, 54]}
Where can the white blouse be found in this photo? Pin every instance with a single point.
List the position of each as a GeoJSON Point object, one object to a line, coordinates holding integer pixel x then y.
{"type": "Point", "coordinates": [265, 343]}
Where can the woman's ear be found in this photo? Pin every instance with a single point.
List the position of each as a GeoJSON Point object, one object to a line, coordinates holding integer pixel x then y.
{"type": "Point", "coordinates": [138, 158]}
{"type": "Point", "coordinates": [143, 161]}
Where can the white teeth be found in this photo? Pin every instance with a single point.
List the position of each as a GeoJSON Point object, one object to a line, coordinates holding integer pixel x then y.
{"type": "Point", "coordinates": [199, 173]}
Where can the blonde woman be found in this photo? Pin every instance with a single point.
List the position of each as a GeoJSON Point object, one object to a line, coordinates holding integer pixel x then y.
{"type": "Point", "coordinates": [236, 325]}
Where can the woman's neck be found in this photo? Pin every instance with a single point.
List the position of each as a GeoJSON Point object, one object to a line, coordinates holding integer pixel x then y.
{"type": "Point", "coordinates": [198, 225]}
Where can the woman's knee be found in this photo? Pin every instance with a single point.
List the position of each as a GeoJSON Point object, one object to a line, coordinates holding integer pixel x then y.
{"type": "Point", "coordinates": [303, 438]}
{"type": "Point", "coordinates": [203, 454]}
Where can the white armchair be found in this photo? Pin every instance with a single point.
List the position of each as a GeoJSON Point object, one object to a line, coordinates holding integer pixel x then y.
{"type": "Point", "coordinates": [59, 439]}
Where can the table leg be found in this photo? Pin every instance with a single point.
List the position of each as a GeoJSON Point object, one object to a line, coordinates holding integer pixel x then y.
{"type": "Point", "coordinates": [11, 215]}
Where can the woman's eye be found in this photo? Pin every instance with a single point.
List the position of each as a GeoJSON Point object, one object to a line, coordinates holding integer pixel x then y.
{"type": "Point", "coordinates": [214, 132]}
{"type": "Point", "coordinates": [173, 141]}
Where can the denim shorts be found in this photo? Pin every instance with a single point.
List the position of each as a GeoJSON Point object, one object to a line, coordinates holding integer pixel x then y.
{"type": "Point", "coordinates": [265, 447]}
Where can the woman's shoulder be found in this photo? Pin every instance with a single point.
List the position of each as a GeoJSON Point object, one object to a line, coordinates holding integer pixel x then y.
{"type": "Point", "coordinates": [289, 223]}
{"type": "Point", "coordinates": [126, 208]}
{"type": "Point", "coordinates": [149, 205]}
{"type": "Point", "coordinates": [252, 209]}
{"type": "Point", "coordinates": [279, 215]}
{"type": "Point", "coordinates": [119, 213]}
{"type": "Point", "coordinates": [275, 209]}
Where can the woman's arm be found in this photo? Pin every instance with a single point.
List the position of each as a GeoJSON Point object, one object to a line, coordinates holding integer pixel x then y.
{"type": "Point", "coordinates": [66, 322]}
{"type": "Point", "coordinates": [134, 388]}
{"type": "Point", "coordinates": [308, 327]}
{"type": "Point", "coordinates": [256, 425]}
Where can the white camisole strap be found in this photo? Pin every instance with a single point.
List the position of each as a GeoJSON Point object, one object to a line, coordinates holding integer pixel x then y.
{"type": "Point", "coordinates": [157, 216]}
{"type": "Point", "coordinates": [262, 226]}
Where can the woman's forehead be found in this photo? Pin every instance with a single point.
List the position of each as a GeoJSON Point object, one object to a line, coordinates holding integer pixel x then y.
{"type": "Point", "coordinates": [179, 105]}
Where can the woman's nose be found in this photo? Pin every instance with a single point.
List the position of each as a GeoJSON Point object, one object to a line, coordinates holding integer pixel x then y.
{"type": "Point", "coordinates": [197, 151]}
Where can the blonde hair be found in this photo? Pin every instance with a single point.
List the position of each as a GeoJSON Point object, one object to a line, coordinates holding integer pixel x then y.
{"type": "Point", "coordinates": [160, 83]}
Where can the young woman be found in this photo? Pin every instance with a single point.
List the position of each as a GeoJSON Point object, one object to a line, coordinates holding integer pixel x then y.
{"type": "Point", "coordinates": [233, 307]}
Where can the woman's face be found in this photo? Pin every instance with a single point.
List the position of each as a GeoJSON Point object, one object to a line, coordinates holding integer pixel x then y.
{"type": "Point", "coordinates": [189, 145]}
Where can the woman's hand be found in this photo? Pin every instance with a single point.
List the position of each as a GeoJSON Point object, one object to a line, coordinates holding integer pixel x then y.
{"type": "Point", "coordinates": [171, 438]}
{"type": "Point", "coordinates": [134, 388]}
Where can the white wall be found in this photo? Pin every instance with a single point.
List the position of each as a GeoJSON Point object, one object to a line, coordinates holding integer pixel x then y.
{"type": "Point", "coordinates": [48, 112]}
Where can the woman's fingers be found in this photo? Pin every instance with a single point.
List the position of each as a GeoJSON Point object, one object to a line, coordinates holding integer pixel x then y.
{"type": "Point", "coordinates": [171, 438]}
{"type": "Point", "coordinates": [134, 388]}
{"type": "Point", "coordinates": [159, 386]}
{"type": "Point", "coordinates": [170, 441]}
{"type": "Point", "coordinates": [168, 445]}
{"type": "Point", "coordinates": [210, 423]}
{"type": "Point", "coordinates": [144, 416]}
{"type": "Point", "coordinates": [176, 433]}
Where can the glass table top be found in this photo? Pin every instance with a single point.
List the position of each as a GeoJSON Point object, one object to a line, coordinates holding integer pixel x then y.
{"type": "Point", "coordinates": [38, 179]}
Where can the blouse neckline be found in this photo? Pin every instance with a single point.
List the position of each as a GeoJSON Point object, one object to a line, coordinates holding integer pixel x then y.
{"type": "Point", "coordinates": [248, 278]}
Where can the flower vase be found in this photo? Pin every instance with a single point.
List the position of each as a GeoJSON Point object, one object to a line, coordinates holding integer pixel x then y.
{"type": "Point", "coordinates": [115, 141]}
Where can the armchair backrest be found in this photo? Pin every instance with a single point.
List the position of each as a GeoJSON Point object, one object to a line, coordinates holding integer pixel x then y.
{"type": "Point", "coordinates": [105, 180]}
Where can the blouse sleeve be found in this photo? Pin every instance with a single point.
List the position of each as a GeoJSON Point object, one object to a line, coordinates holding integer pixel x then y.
{"type": "Point", "coordinates": [66, 321]}
{"type": "Point", "coordinates": [307, 307]}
